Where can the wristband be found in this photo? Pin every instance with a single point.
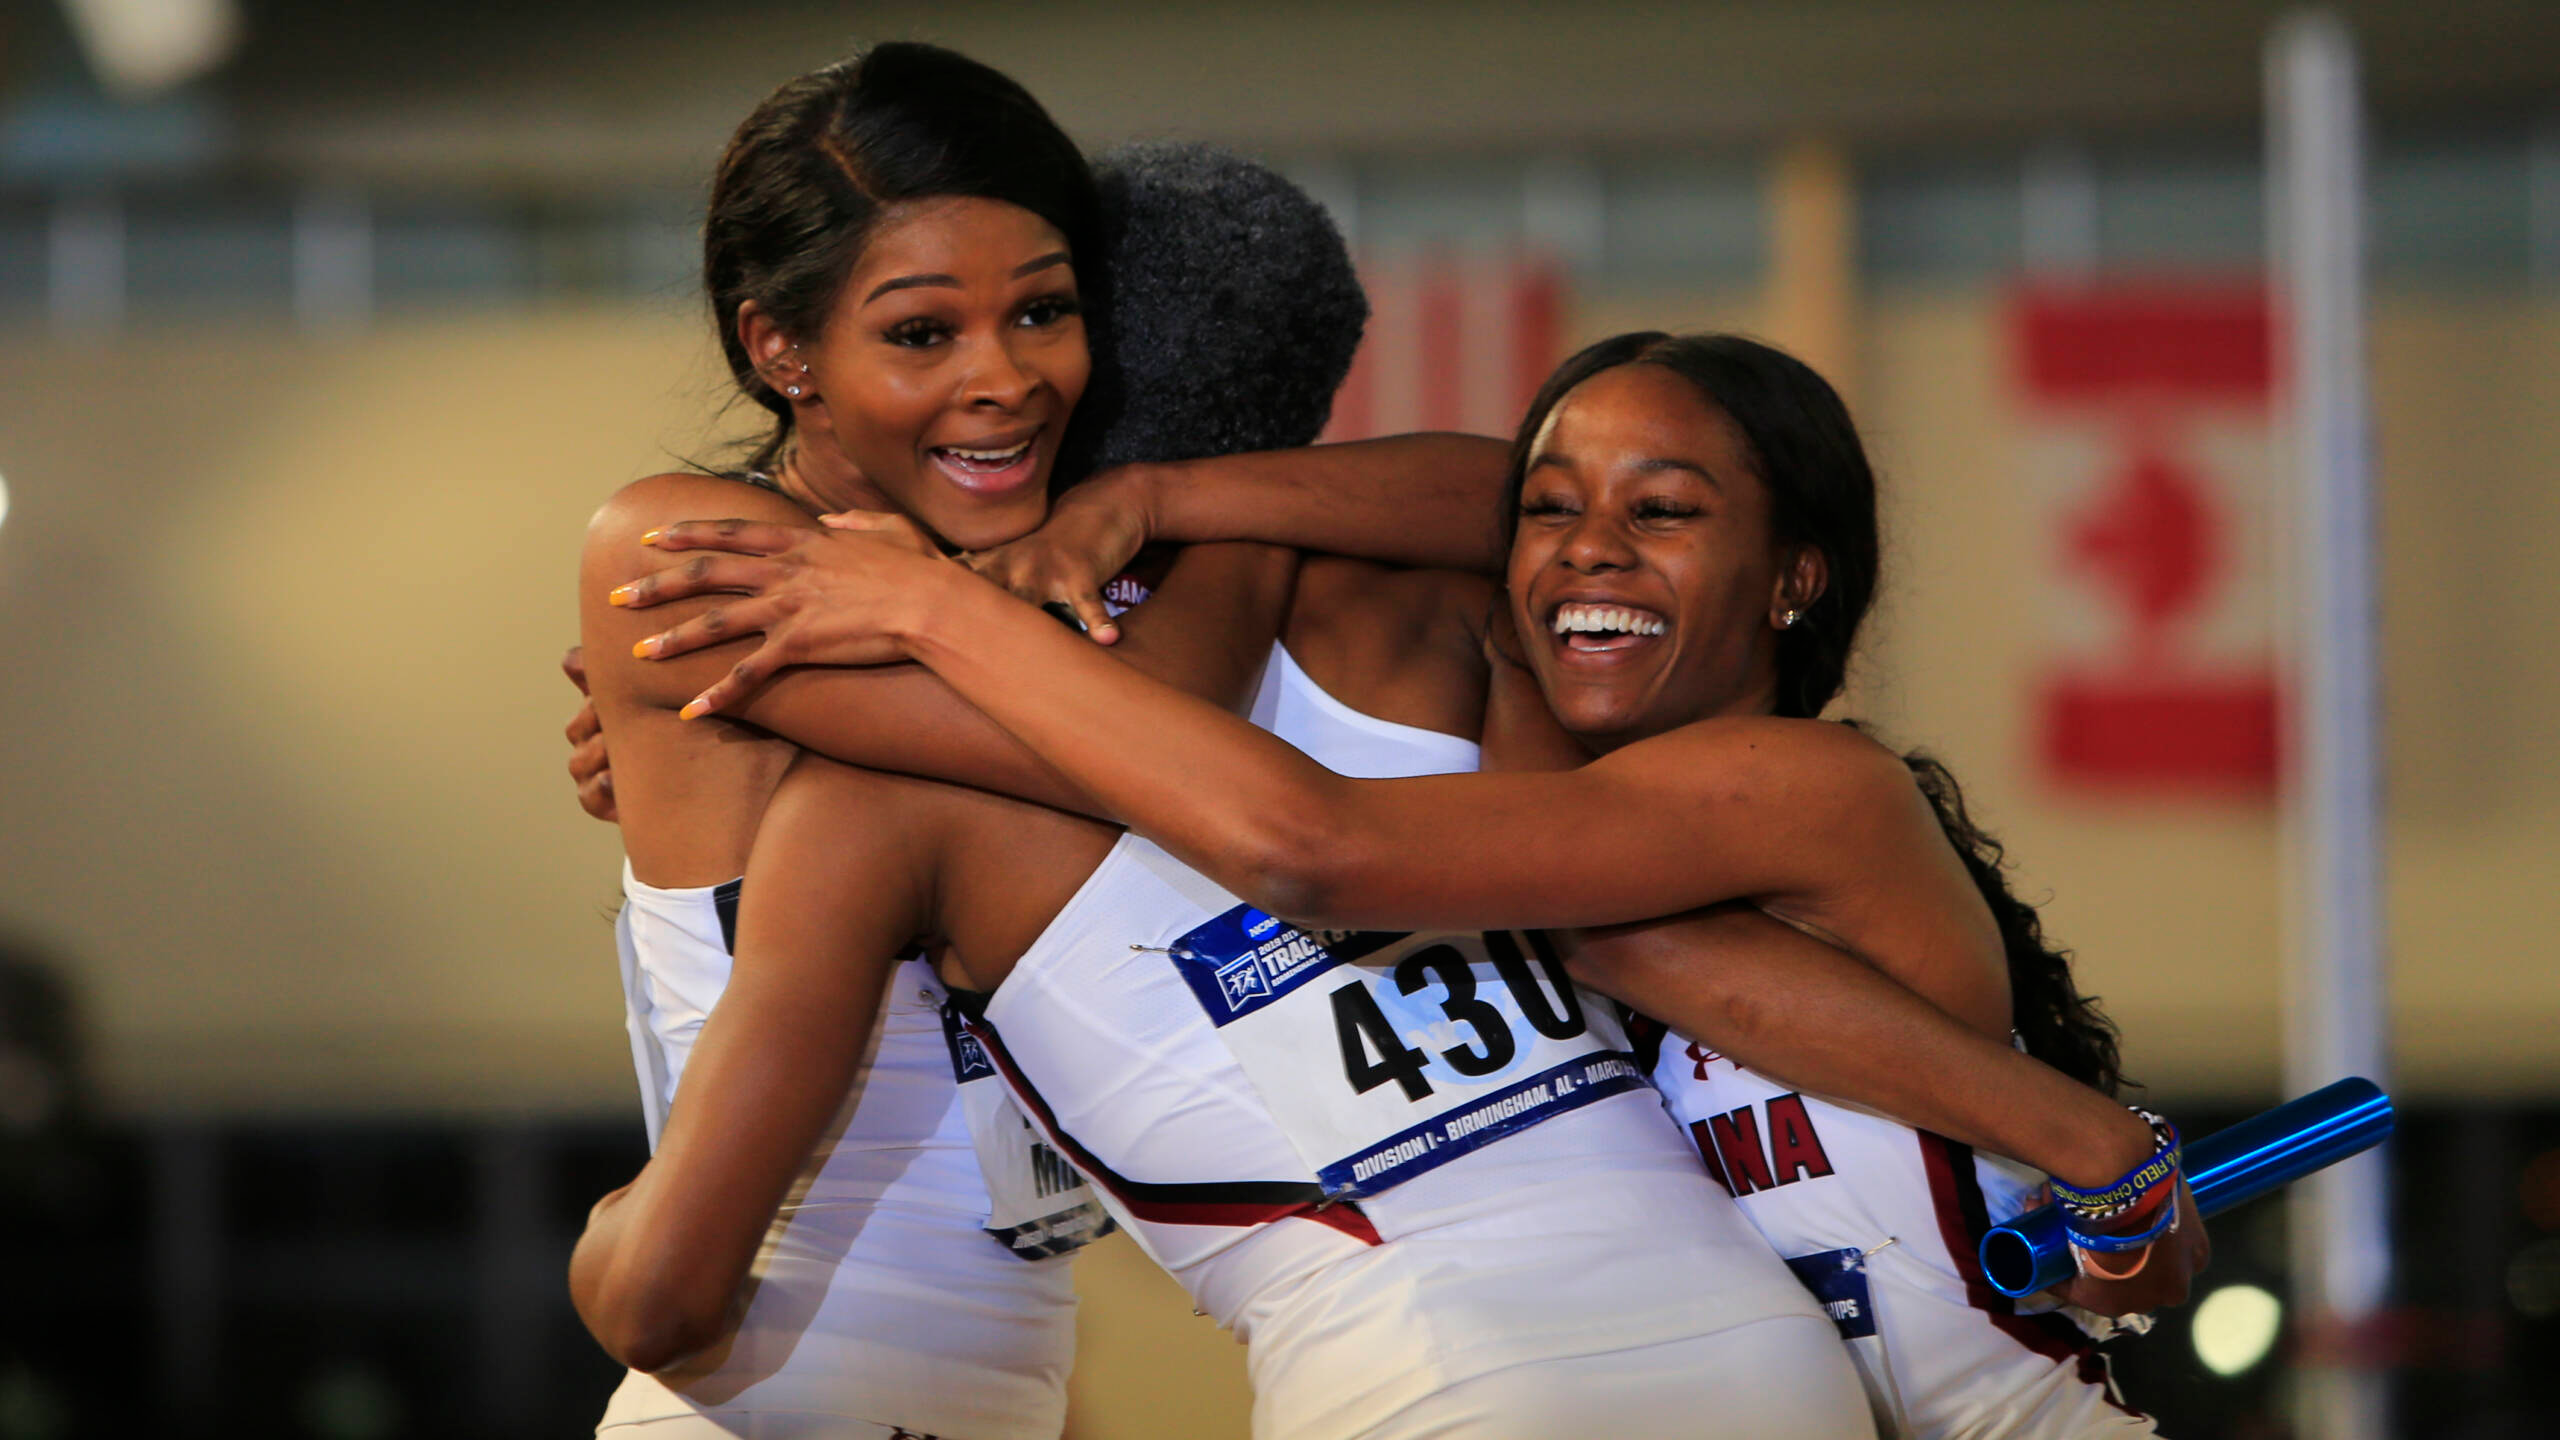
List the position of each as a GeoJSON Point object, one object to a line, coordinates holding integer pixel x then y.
{"type": "Point", "coordinates": [2166, 1221]}
{"type": "Point", "coordinates": [2106, 1202]}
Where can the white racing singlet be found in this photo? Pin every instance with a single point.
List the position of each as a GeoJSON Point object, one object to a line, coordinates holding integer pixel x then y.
{"type": "Point", "coordinates": [1394, 1163]}
{"type": "Point", "coordinates": [1883, 1225]}
{"type": "Point", "coordinates": [891, 1289]}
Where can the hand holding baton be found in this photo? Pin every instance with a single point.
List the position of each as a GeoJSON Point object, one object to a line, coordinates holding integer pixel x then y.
{"type": "Point", "coordinates": [2224, 1169]}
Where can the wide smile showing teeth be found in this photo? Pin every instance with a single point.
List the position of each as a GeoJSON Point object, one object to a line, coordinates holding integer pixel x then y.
{"type": "Point", "coordinates": [987, 470]}
{"type": "Point", "coordinates": [1588, 627]}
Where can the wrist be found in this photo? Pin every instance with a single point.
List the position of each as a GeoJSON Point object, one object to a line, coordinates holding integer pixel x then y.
{"type": "Point", "coordinates": [2106, 1151]}
{"type": "Point", "coordinates": [1137, 492]}
{"type": "Point", "coordinates": [919, 621]}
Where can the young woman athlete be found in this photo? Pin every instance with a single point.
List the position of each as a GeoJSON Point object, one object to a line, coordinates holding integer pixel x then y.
{"type": "Point", "coordinates": [909, 865]}
{"type": "Point", "coordinates": [894, 251]}
{"type": "Point", "coordinates": [1640, 411]}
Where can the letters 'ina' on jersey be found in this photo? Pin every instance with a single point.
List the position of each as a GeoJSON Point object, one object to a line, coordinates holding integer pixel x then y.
{"type": "Point", "coordinates": [1447, 1042]}
{"type": "Point", "coordinates": [1038, 1203]}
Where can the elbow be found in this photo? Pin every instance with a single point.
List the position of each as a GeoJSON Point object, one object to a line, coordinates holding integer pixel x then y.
{"type": "Point", "coordinates": [651, 1325]}
{"type": "Point", "coordinates": [1291, 862]}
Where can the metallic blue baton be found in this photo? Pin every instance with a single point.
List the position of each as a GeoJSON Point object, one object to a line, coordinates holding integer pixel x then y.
{"type": "Point", "coordinates": [2270, 1149]}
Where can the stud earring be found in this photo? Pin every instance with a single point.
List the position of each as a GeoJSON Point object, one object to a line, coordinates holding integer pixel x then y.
{"type": "Point", "coordinates": [1787, 621]}
{"type": "Point", "coordinates": [791, 390]}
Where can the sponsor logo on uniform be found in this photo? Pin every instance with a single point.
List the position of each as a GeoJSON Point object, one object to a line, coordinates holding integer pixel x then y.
{"type": "Point", "coordinates": [1123, 593]}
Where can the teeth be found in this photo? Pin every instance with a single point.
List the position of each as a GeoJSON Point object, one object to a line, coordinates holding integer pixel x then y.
{"type": "Point", "coordinates": [1606, 620]}
{"type": "Point", "coordinates": [989, 457]}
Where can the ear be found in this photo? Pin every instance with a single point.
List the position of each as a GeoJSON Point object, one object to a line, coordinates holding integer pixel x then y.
{"type": "Point", "coordinates": [775, 355]}
{"type": "Point", "coordinates": [1802, 577]}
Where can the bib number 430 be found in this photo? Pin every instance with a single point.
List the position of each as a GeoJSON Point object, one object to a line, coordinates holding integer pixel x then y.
{"type": "Point", "coordinates": [1374, 1052]}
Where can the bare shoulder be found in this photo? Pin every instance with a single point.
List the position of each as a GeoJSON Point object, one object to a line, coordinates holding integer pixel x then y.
{"type": "Point", "coordinates": [1403, 645]}
{"type": "Point", "coordinates": [613, 549]}
{"type": "Point", "coordinates": [1346, 586]}
{"type": "Point", "coordinates": [1803, 760]}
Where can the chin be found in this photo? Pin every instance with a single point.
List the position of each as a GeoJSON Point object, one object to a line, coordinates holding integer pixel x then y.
{"type": "Point", "coordinates": [983, 525]}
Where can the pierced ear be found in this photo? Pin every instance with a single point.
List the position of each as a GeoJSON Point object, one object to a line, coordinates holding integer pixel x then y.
{"type": "Point", "coordinates": [1801, 581]}
{"type": "Point", "coordinates": [775, 355]}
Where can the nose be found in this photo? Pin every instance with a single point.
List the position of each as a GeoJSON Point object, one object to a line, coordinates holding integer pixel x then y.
{"type": "Point", "coordinates": [1596, 545]}
{"type": "Point", "coordinates": [998, 378]}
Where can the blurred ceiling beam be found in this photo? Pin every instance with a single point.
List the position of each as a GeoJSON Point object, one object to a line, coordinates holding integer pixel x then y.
{"type": "Point", "coordinates": [564, 92]}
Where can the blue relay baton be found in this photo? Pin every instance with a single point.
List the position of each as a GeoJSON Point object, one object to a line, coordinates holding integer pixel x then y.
{"type": "Point", "coordinates": [2271, 1149]}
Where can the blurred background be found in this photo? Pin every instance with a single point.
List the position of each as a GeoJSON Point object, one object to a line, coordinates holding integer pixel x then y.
{"type": "Point", "coordinates": [323, 325]}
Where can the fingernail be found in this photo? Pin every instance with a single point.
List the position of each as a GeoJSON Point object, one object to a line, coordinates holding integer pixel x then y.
{"type": "Point", "coordinates": [621, 594]}
{"type": "Point", "coordinates": [650, 537]}
{"type": "Point", "coordinates": [645, 649]}
{"type": "Point", "coordinates": [694, 709]}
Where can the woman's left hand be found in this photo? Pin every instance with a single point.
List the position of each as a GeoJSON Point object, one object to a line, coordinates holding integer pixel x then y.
{"type": "Point", "coordinates": [2165, 1276]}
{"type": "Point", "coordinates": [819, 597]}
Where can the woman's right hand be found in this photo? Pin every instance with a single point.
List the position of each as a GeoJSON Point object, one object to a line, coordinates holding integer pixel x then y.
{"type": "Point", "coordinates": [590, 767]}
{"type": "Point", "coordinates": [1093, 531]}
{"type": "Point", "coordinates": [818, 597]}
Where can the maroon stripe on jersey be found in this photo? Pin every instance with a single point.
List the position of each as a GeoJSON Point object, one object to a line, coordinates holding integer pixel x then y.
{"type": "Point", "coordinates": [1963, 1219]}
{"type": "Point", "coordinates": [1235, 1202]}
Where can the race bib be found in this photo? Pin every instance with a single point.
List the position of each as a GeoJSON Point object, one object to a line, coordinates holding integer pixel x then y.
{"type": "Point", "coordinates": [1385, 1055]}
{"type": "Point", "coordinates": [1038, 1204]}
{"type": "Point", "coordinates": [1838, 1280]}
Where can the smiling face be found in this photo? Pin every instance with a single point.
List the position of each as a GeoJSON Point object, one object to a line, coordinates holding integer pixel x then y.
{"type": "Point", "coordinates": [941, 384]}
{"type": "Point", "coordinates": [1645, 580]}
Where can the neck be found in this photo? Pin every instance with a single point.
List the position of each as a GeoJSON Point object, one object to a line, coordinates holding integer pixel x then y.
{"type": "Point", "coordinates": [1760, 699]}
{"type": "Point", "coordinates": [823, 482]}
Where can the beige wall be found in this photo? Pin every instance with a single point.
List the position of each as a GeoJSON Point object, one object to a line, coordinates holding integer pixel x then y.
{"type": "Point", "coordinates": [279, 765]}
{"type": "Point", "coordinates": [279, 768]}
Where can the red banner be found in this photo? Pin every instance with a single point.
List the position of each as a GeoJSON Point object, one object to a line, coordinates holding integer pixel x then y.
{"type": "Point", "coordinates": [2145, 427]}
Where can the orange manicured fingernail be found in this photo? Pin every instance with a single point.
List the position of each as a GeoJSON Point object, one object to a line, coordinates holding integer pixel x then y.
{"type": "Point", "coordinates": [694, 709]}
{"type": "Point", "coordinates": [621, 594]}
{"type": "Point", "coordinates": [645, 649]}
{"type": "Point", "coordinates": [650, 537]}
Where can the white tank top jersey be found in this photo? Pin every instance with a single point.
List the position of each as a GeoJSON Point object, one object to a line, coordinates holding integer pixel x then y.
{"type": "Point", "coordinates": [1388, 1163]}
{"type": "Point", "coordinates": [1883, 1224]}
{"type": "Point", "coordinates": [892, 1289]}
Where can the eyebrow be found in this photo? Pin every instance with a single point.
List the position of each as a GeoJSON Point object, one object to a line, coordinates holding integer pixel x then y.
{"type": "Point", "coordinates": [915, 282]}
{"type": "Point", "coordinates": [1655, 464]}
{"type": "Point", "coordinates": [1650, 465]}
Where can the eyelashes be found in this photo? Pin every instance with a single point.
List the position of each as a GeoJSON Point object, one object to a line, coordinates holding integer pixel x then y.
{"type": "Point", "coordinates": [923, 331]}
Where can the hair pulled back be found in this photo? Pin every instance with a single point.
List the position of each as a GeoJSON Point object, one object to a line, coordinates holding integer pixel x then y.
{"type": "Point", "coordinates": [1822, 493]}
{"type": "Point", "coordinates": [807, 176]}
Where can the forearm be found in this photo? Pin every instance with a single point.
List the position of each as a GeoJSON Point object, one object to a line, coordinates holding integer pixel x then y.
{"type": "Point", "coordinates": [1207, 633]}
{"type": "Point", "coordinates": [1817, 1018]}
{"type": "Point", "coordinates": [650, 1307]}
{"type": "Point", "coordinates": [1428, 500]}
{"type": "Point", "coordinates": [1208, 786]}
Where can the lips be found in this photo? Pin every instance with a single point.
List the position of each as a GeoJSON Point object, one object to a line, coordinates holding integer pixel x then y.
{"type": "Point", "coordinates": [1584, 627]}
{"type": "Point", "coordinates": [990, 467]}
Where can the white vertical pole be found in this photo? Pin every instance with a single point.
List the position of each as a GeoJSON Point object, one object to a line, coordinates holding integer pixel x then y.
{"type": "Point", "coordinates": [2058, 213]}
{"type": "Point", "coordinates": [85, 286]}
{"type": "Point", "coordinates": [332, 260]}
{"type": "Point", "coordinates": [2334, 993]}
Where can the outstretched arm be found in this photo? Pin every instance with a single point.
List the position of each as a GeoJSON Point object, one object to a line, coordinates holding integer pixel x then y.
{"type": "Point", "coordinates": [1208, 631]}
{"type": "Point", "coordinates": [1425, 500]}
{"type": "Point", "coordinates": [1760, 807]}
{"type": "Point", "coordinates": [657, 1275]}
{"type": "Point", "coordinates": [1806, 1013]}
